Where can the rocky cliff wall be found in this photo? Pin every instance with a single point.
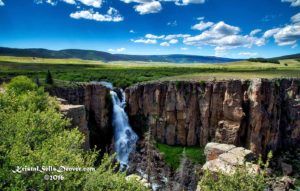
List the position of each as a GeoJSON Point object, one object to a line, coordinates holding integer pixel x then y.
{"type": "Point", "coordinates": [77, 116]}
{"type": "Point", "coordinates": [258, 114]}
{"type": "Point", "coordinates": [97, 102]}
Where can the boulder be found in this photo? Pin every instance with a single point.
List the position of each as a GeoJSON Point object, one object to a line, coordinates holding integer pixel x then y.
{"type": "Point", "coordinates": [226, 158]}
{"type": "Point", "coordinates": [287, 169]}
{"type": "Point", "coordinates": [282, 184]}
{"type": "Point", "coordinates": [135, 177]}
{"type": "Point", "coordinates": [213, 150]}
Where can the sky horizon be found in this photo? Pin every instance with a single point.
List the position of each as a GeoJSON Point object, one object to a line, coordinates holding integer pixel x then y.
{"type": "Point", "coordinates": [233, 29]}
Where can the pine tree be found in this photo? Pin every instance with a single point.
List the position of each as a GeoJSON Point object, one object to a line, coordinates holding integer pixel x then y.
{"type": "Point", "coordinates": [49, 79]}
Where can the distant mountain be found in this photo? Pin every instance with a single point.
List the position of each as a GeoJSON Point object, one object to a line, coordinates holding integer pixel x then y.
{"type": "Point", "coordinates": [292, 56]}
{"type": "Point", "coordinates": [107, 57]}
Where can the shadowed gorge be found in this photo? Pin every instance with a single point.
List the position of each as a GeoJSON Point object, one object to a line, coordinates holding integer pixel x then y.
{"type": "Point", "coordinates": [259, 114]}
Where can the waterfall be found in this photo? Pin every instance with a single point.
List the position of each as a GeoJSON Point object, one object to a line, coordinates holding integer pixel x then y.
{"type": "Point", "coordinates": [125, 138]}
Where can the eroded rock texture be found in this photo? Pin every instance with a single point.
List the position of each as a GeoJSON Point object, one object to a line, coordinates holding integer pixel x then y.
{"type": "Point", "coordinates": [226, 158]}
{"type": "Point", "coordinates": [97, 102]}
{"type": "Point", "coordinates": [77, 116]}
{"type": "Point", "coordinates": [259, 114]}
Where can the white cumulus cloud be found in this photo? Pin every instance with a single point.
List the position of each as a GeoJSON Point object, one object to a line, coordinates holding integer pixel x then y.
{"type": "Point", "coordinates": [69, 1]}
{"type": "Point", "coordinates": [248, 54]}
{"type": "Point", "coordinates": [296, 18]}
{"type": "Point", "coordinates": [112, 15]}
{"type": "Point", "coordinates": [154, 6]}
{"type": "Point", "coordinates": [164, 44]}
{"type": "Point", "coordinates": [154, 36]}
{"type": "Point", "coordinates": [254, 32]}
{"type": "Point", "coordinates": [145, 41]}
{"type": "Point", "coordinates": [202, 25]}
{"type": "Point", "coordinates": [148, 7]}
{"type": "Point", "coordinates": [271, 32]}
{"type": "Point", "coordinates": [223, 36]}
{"type": "Point", "coordinates": [173, 41]}
{"type": "Point", "coordinates": [287, 35]}
{"type": "Point", "coordinates": [117, 50]}
{"type": "Point", "coordinates": [51, 2]}
{"type": "Point", "coordinates": [1, 3]}
{"type": "Point", "coordinates": [294, 3]}
{"type": "Point", "coordinates": [93, 3]}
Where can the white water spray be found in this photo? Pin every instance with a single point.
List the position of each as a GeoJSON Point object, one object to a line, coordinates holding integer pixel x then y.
{"type": "Point", "coordinates": [125, 137]}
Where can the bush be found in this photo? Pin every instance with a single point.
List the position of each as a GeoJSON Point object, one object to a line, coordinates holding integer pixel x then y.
{"type": "Point", "coordinates": [105, 179]}
{"type": "Point", "coordinates": [33, 134]}
{"type": "Point", "coordinates": [241, 179]}
{"type": "Point", "coordinates": [21, 84]}
{"type": "Point", "coordinates": [264, 60]}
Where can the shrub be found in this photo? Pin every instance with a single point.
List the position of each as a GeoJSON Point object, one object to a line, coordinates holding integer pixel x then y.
{"type": "Point", "coordinates": [264, 60]}
{"type": "Point", "coordinates": [21, 84]}
{"type": "Point", "coordinates": [105, 179]}
{"type": "Point", "coordinates": [33, 134]}
{"type": "Point", "coordinates": [241, 179]}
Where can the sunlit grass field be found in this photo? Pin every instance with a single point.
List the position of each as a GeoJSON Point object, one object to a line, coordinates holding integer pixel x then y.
{"type": "Point", "coordinates": [124, 74]}
{"type": "Point", "coordinates": [173, 154]}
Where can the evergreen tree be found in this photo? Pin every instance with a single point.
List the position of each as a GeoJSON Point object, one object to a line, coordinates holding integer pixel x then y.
{"type": "Point", "coordinates": [49, 79]}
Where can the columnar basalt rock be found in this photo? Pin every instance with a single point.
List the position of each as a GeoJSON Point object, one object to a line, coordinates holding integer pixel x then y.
{"type": "Point", "coordinates": [258, 114]}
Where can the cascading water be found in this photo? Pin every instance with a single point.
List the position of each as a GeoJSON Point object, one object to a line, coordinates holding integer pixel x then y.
{"type": "Point", "coordinates": [125, 138]}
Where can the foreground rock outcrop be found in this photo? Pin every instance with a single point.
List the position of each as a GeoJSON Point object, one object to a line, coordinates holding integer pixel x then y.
{"type": "Point", "coordinates": [77, 116]}
{"type": "Point", "coordinates": [226, 158]}
{"type": "Point", "coordinates": [257, 114]}
{"type": "Point", "coordinates": [97, 102]}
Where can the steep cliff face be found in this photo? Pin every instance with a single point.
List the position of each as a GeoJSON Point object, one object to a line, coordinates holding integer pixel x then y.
{"type": "Point", "coordinates": [97, 102]}
{"type": "Point", "coordinates": [259, 114]}
{"type": "Point", "coordinates": [77, 115]}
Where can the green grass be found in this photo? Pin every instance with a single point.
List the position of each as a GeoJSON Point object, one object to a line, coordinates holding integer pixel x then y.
{"type": "Point", "coordinates": [173, 154]}
{"type": "Point", "coordinates": [123, 74]}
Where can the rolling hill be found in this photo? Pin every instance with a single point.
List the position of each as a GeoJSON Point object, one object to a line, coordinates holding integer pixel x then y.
{"type": "Point", "coordinates": [108, 57]}
{"type": "Point", "coordinates": [292, 56]}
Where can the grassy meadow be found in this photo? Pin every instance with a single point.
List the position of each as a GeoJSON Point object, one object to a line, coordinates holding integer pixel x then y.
{"type": "Point", "coordinates": [173, 154]}
{"type": "Point", "coordinates": [123, 74]}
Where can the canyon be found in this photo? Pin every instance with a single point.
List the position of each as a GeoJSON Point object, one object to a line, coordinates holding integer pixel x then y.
{"type": "Point", "coordinates": [258, 114]}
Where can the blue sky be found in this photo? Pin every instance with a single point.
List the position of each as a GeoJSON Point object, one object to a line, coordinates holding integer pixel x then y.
{"type": "Point", "coordinates": [231, 28]}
